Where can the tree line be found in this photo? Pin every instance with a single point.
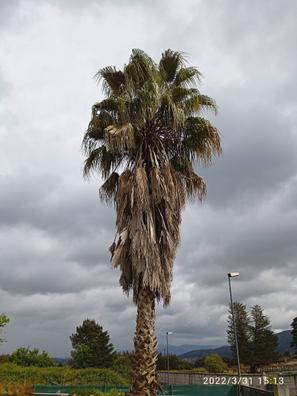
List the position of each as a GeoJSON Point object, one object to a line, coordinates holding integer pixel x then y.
{"type": "Point", "coordinates": [92, 348]}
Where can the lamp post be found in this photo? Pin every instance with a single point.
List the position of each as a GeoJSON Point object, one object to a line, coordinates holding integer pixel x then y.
{"type": "Point", "coordinates": [167, 337]}
{"type": "Point", "coordinates": [233, 275]}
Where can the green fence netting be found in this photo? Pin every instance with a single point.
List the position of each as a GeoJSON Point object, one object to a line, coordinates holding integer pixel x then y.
{"type": "Point", "coordinates": [200, 390]}
{"type": "Point", "coordinates": [78, 388]}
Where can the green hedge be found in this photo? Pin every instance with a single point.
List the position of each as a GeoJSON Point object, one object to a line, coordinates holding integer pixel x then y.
{"type": "Point", "coordinates": [10, 373]}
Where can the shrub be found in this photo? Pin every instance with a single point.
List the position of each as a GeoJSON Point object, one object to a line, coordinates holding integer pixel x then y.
{"type": "Point", "coordinates": [199, 370]}
{"type": "Point", "coordinates": [122, 364]}
{"type": "Point", "coordinates": [10, 373]}
{"type": "Point", "coordinates": [175, 363]}
{"type": "Point", "coordinates": [215, 364]}
{"type": "Point", "coordinates": [4, 358]}
{"type": "Point", "coordinates": [31, 357]}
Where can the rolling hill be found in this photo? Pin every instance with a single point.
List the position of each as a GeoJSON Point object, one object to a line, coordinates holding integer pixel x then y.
{"type": "Point", "coordinates": [284, 345]}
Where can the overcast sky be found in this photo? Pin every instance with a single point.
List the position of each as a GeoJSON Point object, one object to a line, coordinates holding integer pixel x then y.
{"type": "Point", "coordinates": [54, 232]}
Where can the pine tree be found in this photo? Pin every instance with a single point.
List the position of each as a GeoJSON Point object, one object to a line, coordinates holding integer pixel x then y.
{"type": "Point", "coordinates": [294, 333]}
{"type": "Point", "coordinates": [263, 340]}
{"type": "Point", "coordinates": [91, 346]}
{"type": "Point", "coordinates": [4, 320]}
{"type": "Point", "coordinates": [242, 323]}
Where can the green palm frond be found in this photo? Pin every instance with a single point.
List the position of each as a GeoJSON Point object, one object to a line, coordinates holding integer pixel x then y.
{"type": "Point", "coordinates": [201, 140]}
{"type": "Point", "coordinates": [171, 113]}
{"type": "Point", "coordinates": [113, 80]}
{"type": "Point", "coordinates": [180, 94]}
{"type": "Point", "coordinates": [95, 133]}
{"type": "Point", "coordinates": [110, 105]}
{"type": "Point", "coordinates": [187, 76]}
{"type": "Point", "coordinates": [139, 70]}
{"type": "Point", "coordinates": [170, 63]}
{"type": "Point", "coordinates": [195, 103]}
{"type": "Point", "coordinates": [103, 161]}
{"type": "Point", "coordinates": [207, 103]}
{"type": "Point", "coordinates": [182, 162]}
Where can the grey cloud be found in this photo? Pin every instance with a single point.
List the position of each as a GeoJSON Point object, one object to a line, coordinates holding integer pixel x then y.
{"type": "Point", "coordinates": [7, 12]}
{"type": "Point", "coordinates": [54, 232]}
{"type": "Point", "coordinates": [259, 155]}
{"type": "Point", "coordinates": [54, 205]}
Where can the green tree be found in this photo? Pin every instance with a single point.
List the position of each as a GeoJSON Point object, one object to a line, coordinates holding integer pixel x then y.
{"type": "Point", "coordinates": [123, 364]}
{"type": "Point", "coordinates": [144, 139]}
{"type": "Point", "coordinates": [199, 362]}
{"type": "Point", "coordinates": [4, 320]}
{"type": "Point", "coordinates": [91, 346]}
{"type": "Point", "coordinates": [175, 363]}
{"type": "Point", "coordinates": [214, 364]}
{"type": "Point", "coordinates": [263, 341]}
{"type": "Point", "coordinates": [4, 359]}
{"type": "Point", "coordinates": [31, 357]}
{"type": "Point", "coordinates": [242, 323]}
{"type": "Point", "coordinates": [294, 333]}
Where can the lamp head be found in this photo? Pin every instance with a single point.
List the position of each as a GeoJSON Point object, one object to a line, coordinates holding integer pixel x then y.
{"type": "Point", "coordinates": [233, 274]}
{"type": "Point", "coordinates": [169, 332]}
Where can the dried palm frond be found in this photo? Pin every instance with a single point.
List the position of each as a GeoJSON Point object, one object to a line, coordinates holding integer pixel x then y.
{"type": "Point", "coordinates": [108, 189]}
{"type": "Point", "coordinates": [119, 138]}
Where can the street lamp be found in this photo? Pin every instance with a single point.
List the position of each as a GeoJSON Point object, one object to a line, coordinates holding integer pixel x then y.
{"type": "Point", "coordinates": [233, 275]}
{"type": "Point", "coordinates": [167, 337]}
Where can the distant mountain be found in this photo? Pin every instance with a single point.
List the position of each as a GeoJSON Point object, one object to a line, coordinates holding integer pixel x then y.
{"type": "Point", "coordinates": [284, 345]}
{"type": "Point", "coordinates": [284, 341]}
{"type": "Point", "coordinates": [60, 360]}
{"type": "Point", "coordinates": [181, 349]}
{"type": "Point", "coordinates": [193, 352]}
{"type": "Point", "coordinates": [223, 351]}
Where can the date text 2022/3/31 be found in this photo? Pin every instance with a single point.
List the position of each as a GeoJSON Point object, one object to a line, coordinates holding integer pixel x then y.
{"type": "Point", "coordinates": [243, 380]}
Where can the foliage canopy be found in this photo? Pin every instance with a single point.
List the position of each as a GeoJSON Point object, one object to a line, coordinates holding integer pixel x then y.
{"type": "Point", "coordinates": [294, 333]}
{"type": "Point", "coordinates": [4, 320]}
{"type": "Point", "coordinates": [243, 332]}
{"type": "Point", "coordinates": [256, 341]}
{"type": "Point", "coordinates": [11, 373]}
{"type": "Point", "coordinates": [215, 364]}
{"type": "Point", "coordinates": [31, 357]}
{"type": "Point", "coordinates": [91, 346]}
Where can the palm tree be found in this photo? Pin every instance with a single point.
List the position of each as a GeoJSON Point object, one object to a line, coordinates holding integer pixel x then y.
{"type": "Point", "coordinates": [144, 139]}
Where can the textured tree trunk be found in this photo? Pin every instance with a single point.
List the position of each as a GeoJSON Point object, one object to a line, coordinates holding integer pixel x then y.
{"type": "Point", "coordinates": [144, 381]}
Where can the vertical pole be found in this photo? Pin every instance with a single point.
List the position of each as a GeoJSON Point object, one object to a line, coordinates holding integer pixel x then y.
{"type": "Point", "coordinates": [235, 330]}
{"type": "Point", "coordinates": [167, 357]}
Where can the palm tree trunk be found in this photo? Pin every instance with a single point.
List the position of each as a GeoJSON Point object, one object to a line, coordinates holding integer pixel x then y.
{"type": "Point", "coordinates": [144, 381]}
